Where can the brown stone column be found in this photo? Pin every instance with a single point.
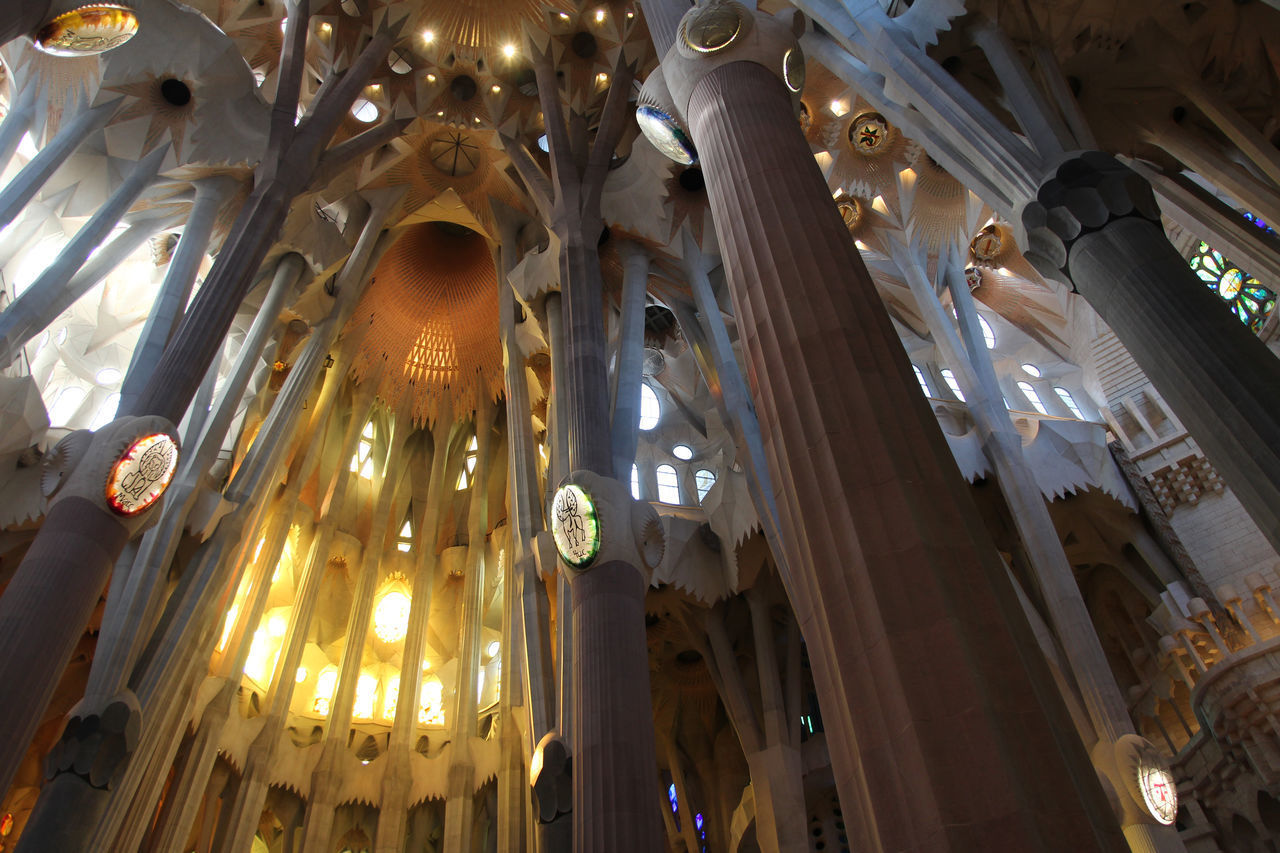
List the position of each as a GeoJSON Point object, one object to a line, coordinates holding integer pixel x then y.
{"type": "Point", "coordinates": [1095, 223]}
{"type": "Point", "coordinates": [944, 726]}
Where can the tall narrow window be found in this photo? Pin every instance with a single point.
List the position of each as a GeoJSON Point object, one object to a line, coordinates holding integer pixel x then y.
{"type": "Point", "coordinates": [404, 540]}
{"type": "Point", "coordinates": [389, 698]}
{"type": "Point", "coordinates": [650, 411]}
{"type": "Point", "coordinates": [635, 481]}
{"type": "Point", "coordinates": [1032, 397]}
{"type": "Point", "coordinates": [704, 480]}
{"type": "Point", "coordinates": [366, 697]}
{"type": "Point", "coordinates": [106, 412]}
{"type": "Point", "coordinates": [362, 460]}
{"type": "Point", "coordinates": [325, 685]}
{"type": "Point", "coordinates": [431, 703]}
{"type": "Point", "coordinates": [950, 379]}
{"type": "Point", "coordinates": [66, 406]}
{"type": "Point", "coordinates": [988, 334]}
{"type": "Point", "coordinates": [469, 466]}
{"type": "Point", "coordinates": [668, 485]}
{"type": "Point", "coordinates": [1067, 400]}
{"type": "Point", "coordinates": [924, 386]}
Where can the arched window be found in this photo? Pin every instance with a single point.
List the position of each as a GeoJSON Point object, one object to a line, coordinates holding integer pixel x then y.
{"type": "Point", "coordinates": [988, 334]}
{"type": "Point", "coordinates": [1067, 400]}
{"type": "Point", "coordinates": [66, 405]}
{"type": "Point", "coordinates": [366, 697]}
{"type": "Point", "coordinates": [950, 379]}
{"type": "Point", "coordinates": [404, 540]}
{"type": "Point", "coordinates": [325, 685]}
{"type": "Point", "coordinates": [924, 386]}
{"type": "Point", "coordinates": [650, 411]}
{"type": "Point", "coordinates": [668, 485]}
{"type": "Point", "coordinates": [469, 466]}
{"type": "Point", "coordinates": [1032, 397]}
{"type": "Point", "coordinates": [431, 703]}
{"type": "Point", "coordinates": [1248, 299]}
{"type": "Point", "coordinates": [635, 481]}
{"type": "Point", "coordinates": [362, 460]}
{"type": "Point", "coordinates": [704, 480]}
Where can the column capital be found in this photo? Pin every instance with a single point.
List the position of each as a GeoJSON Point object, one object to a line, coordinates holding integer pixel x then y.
{"type": "Point", "coordinates": [1086, 192]}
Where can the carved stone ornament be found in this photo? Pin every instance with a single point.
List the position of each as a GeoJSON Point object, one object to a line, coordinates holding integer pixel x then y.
{"type": "Point", "coordinates": [1084, 194]}
{"type": "Point", "coordinates": [97, 743]}
{"type": "Point", "coordinates": [88, 30]}
{"type": "Point", "coordinates": [595, 519]}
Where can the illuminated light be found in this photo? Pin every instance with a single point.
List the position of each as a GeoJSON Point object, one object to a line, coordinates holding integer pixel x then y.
{"type": "Point", "coordinates": [599, 16]}
{"type": "Point", "coordinates": [477, 119]}
{"type": "Point", "coordinates": [389, 699]}
{"type": "Point", "coordinates": [403, 547]}
{"type": "Point", "coordinates": [301, 675]}
{"type": "Point", "coordinates": [630, 14]}
{"type": "Point", "coordinates": [325, 685]}
{"type": "Point", "coordinates": [228, 626]}
{"type": "Point", "coordinates": [366, 697]}
{"type": "Point", "coordinates": [277, 625]}
{"type": "Point", "coordinates": [862, 247]}
{"type": "Point", "coordinates": [480, 686]}
{"type": "Point", "coordinates": [575, 526]}
{"type": "Point", "coordinates": [431, 703]}
{"type": "Point", "coordinates": [824, 161]}
{"type": "Point", "coordinates": [364, 110]}
{"type": "Point", "coordinates": [908, 174]}
{"type": "Point", "coordinates": [142, 474]}
{"type": "Point", "coordinates": [326, 27]}
{"type": "Point", "coordinates": [428, 36]}
{"type": "Point", "coordinates": [391, 617]}
{"type": "Point", "coordinates": [426, 665]}
{"type": "Point", "coordinates": [602, 77]}
{"type": "Point", "coordinates": [839, 108]}
{"type": "Point", "coordinates": [878, 205]}
{"type": "Point", "coordinates": [284, 24]}
{"type": "Point", "coordinates": [496, 89]}
{"type": "Point", "coordinates": [564, 16]}
{"type": "Point", "coordinates": [259, 662]}
{"type": "Point", "coordinates": [257, 551]}
{"type": "Point", "coordinates": [508, 50]}
{"type": "Point", "coordinates": [87, 31]}
{"type": "Point", "coordinates": [440, 114]}
{"type": "Point", "coordinates": [493, 648]}
{"type": "Point", "coordinates": [431, 78]}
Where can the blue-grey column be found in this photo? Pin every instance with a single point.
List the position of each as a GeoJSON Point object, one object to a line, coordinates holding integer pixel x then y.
{"type": "Point", "coordinates": [627, 376]}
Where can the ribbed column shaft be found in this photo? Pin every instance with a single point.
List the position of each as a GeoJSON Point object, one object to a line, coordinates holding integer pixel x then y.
{"type": "Point", "coordinates": [175, 291]}
{"type": "Point", "coordinates": [627, 375]}
{"type": "Point", "coordinates": [894, 579]}
{"type": "Point", "coordinates": [1217, 377]}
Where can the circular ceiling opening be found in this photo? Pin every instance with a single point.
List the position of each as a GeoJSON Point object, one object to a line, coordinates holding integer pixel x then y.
{"type": "Point", "coordinates": [691, 180]}
{"type": "Point", "coordinates": [175, 92]}
{"type": "Point", "coordinates": [463, 88]}
{"type": "Point", "coordinates": [583, 44]}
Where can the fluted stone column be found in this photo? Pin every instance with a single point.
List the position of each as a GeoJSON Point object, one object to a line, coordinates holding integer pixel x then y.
{"type": "Point", "coordinates": [1095, 224]}
{"type": "Point", "coordinates": [558, 439]}
{"type": "Point", "coordinates": [175, 291]}
{"type": "Point", "coordinates": [627, 375]}
{"type": "Point", "coordinates": [894, 580]}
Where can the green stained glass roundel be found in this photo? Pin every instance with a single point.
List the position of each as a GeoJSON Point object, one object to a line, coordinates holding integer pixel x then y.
{"type": "Point", "coordinates": [575, 526]}
{"type": "Point", "coordinates": [1248, 299]}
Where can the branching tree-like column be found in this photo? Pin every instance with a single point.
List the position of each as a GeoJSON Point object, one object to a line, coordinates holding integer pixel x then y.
{"type": "Point", "coordinates": [613, 748]}
{"type": "Point", "coordinates": [1095, 224]}
{"type": "Point", "coordinates": [61, 558]}
{"type": "Point", "coordinates": [925, 666]}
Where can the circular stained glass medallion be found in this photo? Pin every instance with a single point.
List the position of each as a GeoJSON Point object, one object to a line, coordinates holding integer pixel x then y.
{"type": "Point", "coordinates": [713, 28]}
{"type": "Point", "coordinates": [987, 244]}
{"type": "Point", "coordinates": [142, 473]}
{"type": "Point", "coordinates": [662, 130]}
{"type": "Point", "coordinates": [1159, 791]}
{"type": "Point", "coordinates": [869, 133]}
{"type": "Point", "coordinates": [88, 30]}
{"type": "Point", "coordinates": [1230, 283]}
{"type": "Point", "coordinates": [575, 526]}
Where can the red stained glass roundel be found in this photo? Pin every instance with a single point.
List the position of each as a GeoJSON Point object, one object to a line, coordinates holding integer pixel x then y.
{"type": "Point", "coordinates": [142, 474]}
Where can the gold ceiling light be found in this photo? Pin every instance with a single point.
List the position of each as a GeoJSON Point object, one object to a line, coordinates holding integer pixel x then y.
{"type": "Point", "coordinates": [87, 31]}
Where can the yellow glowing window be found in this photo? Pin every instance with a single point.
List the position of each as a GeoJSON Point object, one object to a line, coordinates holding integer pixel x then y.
{"type": "Point", "coordinates": [404, 542]}
{"type": "Point", "coordinates": [366, 697]}
{"type": "Point", "coordinates": [464, 478]}
{"type": "Point", "coordinates": [390, 697]}
{"type": "Point", "coordinates": [362, 460]}
{"type": "Point", "coordinates": [325, 685]}
{"type": "Point", "coordinates": [391, 616]}
{"type": "Point", "coordinates": [228, 626]}
{"type": "Point", "coordinates": [261, 660]}
{"type": "Point", "coordinates": [431, 703]}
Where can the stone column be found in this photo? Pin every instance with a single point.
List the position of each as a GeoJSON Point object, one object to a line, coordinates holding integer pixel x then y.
{"type": "Point", "coordinates": [318, 829]}
{"type": "Point", "coordinates": [558, 439]}
{"type": "Point", "coordinates": [398, 776]}
{"type": "Point", "coordinates": [461, 785]}
{"type": "Point", "coordinates": [28, 182]}
{"type": "Point", "coordinates": [1095, 224]}
{"type": "Point", "coordinates": [41, 303]}
{"type": "Point", "coordinates": [894, 580]}
{"type": "Point", "coordinates": [175, 292]}
{"type": "Point", "coordinates": [627, 375]}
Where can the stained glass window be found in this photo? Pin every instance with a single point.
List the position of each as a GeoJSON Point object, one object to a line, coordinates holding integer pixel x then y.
{"type": "Point", "coordinates": [473, 449]}
{"type": "Point", "coordinates": [325, 685]}
{"type": "Point", "coordinates": [1246, 296]}
{"type": "Point", "coordinates": [1067, 400]}
{"type": "Point", "coordinates": [924, 386]}
{"type": "Point", "coordinates": [1258, 222]}
{"type": "Point", "coordinates": [362, 459]}
{"type": "Point", "coordinates": [1032, 397]}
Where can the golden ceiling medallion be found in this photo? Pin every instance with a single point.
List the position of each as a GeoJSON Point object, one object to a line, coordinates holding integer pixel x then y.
{"type": "Point", "coordinates": [793, 70]}
{"type": "Point", "coordinates": [869, 133]}
{"type": "Point", "coordinates": [987, 245]}
{"type": "Point", "coordinates": [87, 31]}
{"type": "Point", "coordinates": [851, 212]}
{"type": "Point", "coordinates": [712, 28]}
